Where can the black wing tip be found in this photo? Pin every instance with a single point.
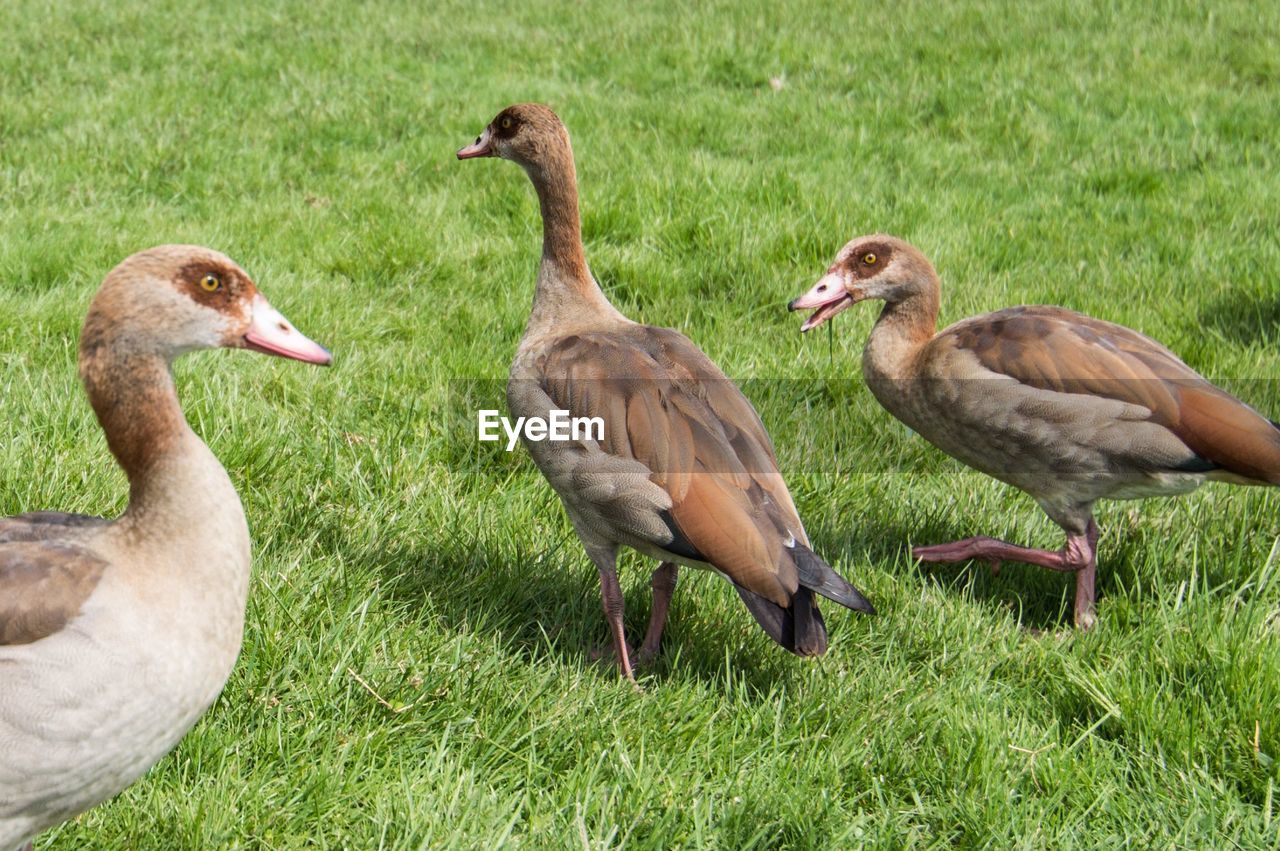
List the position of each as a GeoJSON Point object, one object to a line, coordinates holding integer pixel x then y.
{"type": "Point", "coordinates": [804, 635]}
{"type": "Point", "coordinates": [811, 629]}
{"type": "Point", "coordinates": [822, 578]}
{"type": "Point", "coordinates": [1196, 464]}
{"type": "Point", "coordinates": [853, 599]}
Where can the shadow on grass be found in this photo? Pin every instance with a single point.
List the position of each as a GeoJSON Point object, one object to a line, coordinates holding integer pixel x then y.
{"type": "Point", "coordinates": [547, 607]}
{"type": "Point", "coordinates": [542, 598]}
{"type": "Point", "coordinates": [1243, 317]}
{"type": "Point", "coordinates": [1040, 599]}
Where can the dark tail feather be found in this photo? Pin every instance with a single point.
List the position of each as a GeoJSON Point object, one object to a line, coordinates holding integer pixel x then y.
{"type": "Point", "coordinates": [818, 575]}
{"type": "Point", "coordinates": [811, 630]}
{"type": "Point", "coordinates": [799, 628]}
{"type": "Point", "coordinates": [773, 619]}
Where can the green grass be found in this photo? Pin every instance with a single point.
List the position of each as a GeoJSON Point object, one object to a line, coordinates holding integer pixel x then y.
{"type": "Point", "coordinates": [1120, 159]}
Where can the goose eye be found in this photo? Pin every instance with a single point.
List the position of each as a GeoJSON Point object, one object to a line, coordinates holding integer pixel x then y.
{"type": "Point", "coordinates": [505, 123]}
{"type": "Point", "coordinates": [210, 283]}
{"type": "Point", "coordinates": [869, 259]}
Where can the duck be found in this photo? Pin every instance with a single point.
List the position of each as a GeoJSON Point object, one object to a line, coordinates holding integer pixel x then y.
{"type": "Point", "coordinates": [1068, 408]}
{"type": "Point", "coordinates": [117, 635]}
{"type": "Point", "coordinates": [681, 468]}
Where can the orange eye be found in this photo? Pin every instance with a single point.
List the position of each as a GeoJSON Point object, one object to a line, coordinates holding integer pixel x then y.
{"type": "Point", "coordinates": [869, 259]}
{"type": "Point", "coordinates": [210, 283]}
{"type": "Point", "coordinates": [505, 123]}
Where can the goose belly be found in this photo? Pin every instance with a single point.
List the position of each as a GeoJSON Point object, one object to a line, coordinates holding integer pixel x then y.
{"type": "Point", "coordinates": [1060, 448]}
{"type": "Point", "coordinates": [87, 710]}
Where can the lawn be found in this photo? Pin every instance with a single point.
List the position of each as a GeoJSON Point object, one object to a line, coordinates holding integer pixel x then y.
{"type": "Point", "coordinates": [415, 670]}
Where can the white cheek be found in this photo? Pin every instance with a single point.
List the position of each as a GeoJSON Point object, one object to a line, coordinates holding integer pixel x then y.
{"type": "Point", "coordinates": [191, 325]}
{"type": "Point", "coordinates": [878, 287]}
{"type": "Point", "coordinates": [217, 330]}
{"type": "Point", "coordinates": [205, 328]}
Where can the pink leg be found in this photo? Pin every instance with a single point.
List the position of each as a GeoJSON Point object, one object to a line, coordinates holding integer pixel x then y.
{"type": "Point", "coordinates": [664, 585]}
{"type": "Point", "coordinates": [1085, 576]}
{"type": "Point", "coordinates": [611, 596]}
{"type": "Point", "coordinates": [1077, 556]}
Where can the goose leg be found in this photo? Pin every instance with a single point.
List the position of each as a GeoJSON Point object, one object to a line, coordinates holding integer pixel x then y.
{"type": "Point", "coordinates": [1085, 577]}
{"type": "Point", "coordinates": [611, 596]}
{"type": "Point", "coordinates": [664, 585]}
{"type": "Point", "coordinates": [1076, 556]}
{"type": "Point", "coordinates": [606, 559]}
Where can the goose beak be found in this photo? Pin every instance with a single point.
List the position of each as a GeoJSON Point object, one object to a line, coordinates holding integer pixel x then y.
{"type": "Point", "coordinates": [270, 333]}
{"type": "Point", "coordinates": [826, 298]}
{"type": "Point", "coordinates": [482, 147]}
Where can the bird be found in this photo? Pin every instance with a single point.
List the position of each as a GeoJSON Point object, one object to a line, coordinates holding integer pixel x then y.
{"type": "Point", "coordinates": [683, 470]}
{"type": "Point", "coordinates": [117, 635]}
{"type": "Point", "coordinates": [1068, 408]}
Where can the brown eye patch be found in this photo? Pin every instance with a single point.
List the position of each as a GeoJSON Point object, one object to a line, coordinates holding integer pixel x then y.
{"type": "Point", "coordinates": [505, 125]}
{"type": "Point", "coordinates": [869, 259]}
{"type": "Point", "coordinates": [211, 284]}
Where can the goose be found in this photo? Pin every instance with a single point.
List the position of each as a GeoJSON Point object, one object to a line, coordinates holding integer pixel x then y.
{"type": "Point", "coordinates": [1068, 408]}
{"type": "Point", "coordinates": [683, 470]}
{"type": "Point", "coordinates": [117, 635]}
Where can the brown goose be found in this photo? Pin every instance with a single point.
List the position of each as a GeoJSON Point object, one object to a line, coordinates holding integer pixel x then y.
{"type": "Point", "coordinates": [683, 470]}
{"type": "Point", "coordinates": [1068, 408]}
{"type": "Point", "coordinates": [116, 636]}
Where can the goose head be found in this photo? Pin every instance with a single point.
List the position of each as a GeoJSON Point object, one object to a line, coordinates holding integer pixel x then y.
{"type": "Point", "coordinates": [525, 133]}
{"type": "Point", "coordinates": [869, 267]}
{"type": "Point", "coordinates": [174, 299]}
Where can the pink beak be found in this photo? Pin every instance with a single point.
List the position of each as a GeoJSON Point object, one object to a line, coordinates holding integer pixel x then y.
{"type": "Point", "coordinates": [482, 147]}
{"type": "Point", "coordinates": [269, 332]}
{"type": "Point", "coordinates": [829, 296]}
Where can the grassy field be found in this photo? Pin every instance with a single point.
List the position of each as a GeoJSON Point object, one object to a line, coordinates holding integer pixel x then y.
{"type": "Point", "coordinates": [415, 669]}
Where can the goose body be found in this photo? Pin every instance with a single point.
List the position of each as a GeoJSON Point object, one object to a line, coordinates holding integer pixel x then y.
{"type": "Point", "coordinates": [116, 636]}
{"type": "Point", "coordinates": [1075, 418]}
{"type": "Point", "coordinates": [1068, 408]}
{"type": "Point", "coordinates": [685, 471]}
{"type": "Point", "coordinates": [74, 733]}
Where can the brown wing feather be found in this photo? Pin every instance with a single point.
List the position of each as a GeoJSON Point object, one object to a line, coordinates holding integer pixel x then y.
{"type": "Point", "coordinates": [1055, 349]}
{"type": "Point", "coordinates": [1229, 433]}
{"type": "Point", "coordinates": [43, 584]}
{"type": "Point", "coordinates": [668, 406]}
{"type": "Point", "coordinates": [718, 520]}
{"type": "Point", "coordinates": [742, 426]}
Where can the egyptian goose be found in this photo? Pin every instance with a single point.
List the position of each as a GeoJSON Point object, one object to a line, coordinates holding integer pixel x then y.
{"type": "Point", "coordinates": [117, 635]}
{"type": "Point", "coordinates": [683, 470]}
{"type": "Point", "coordinates": [1068, 408]}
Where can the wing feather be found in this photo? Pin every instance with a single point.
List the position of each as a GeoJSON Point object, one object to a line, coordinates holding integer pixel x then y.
{"type": "Point", "coordinates": [666, 405]}
{"type": "Point", "coordinates": [43, 585]}
{"type": "Point", "coordinates": [1065, 352]}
